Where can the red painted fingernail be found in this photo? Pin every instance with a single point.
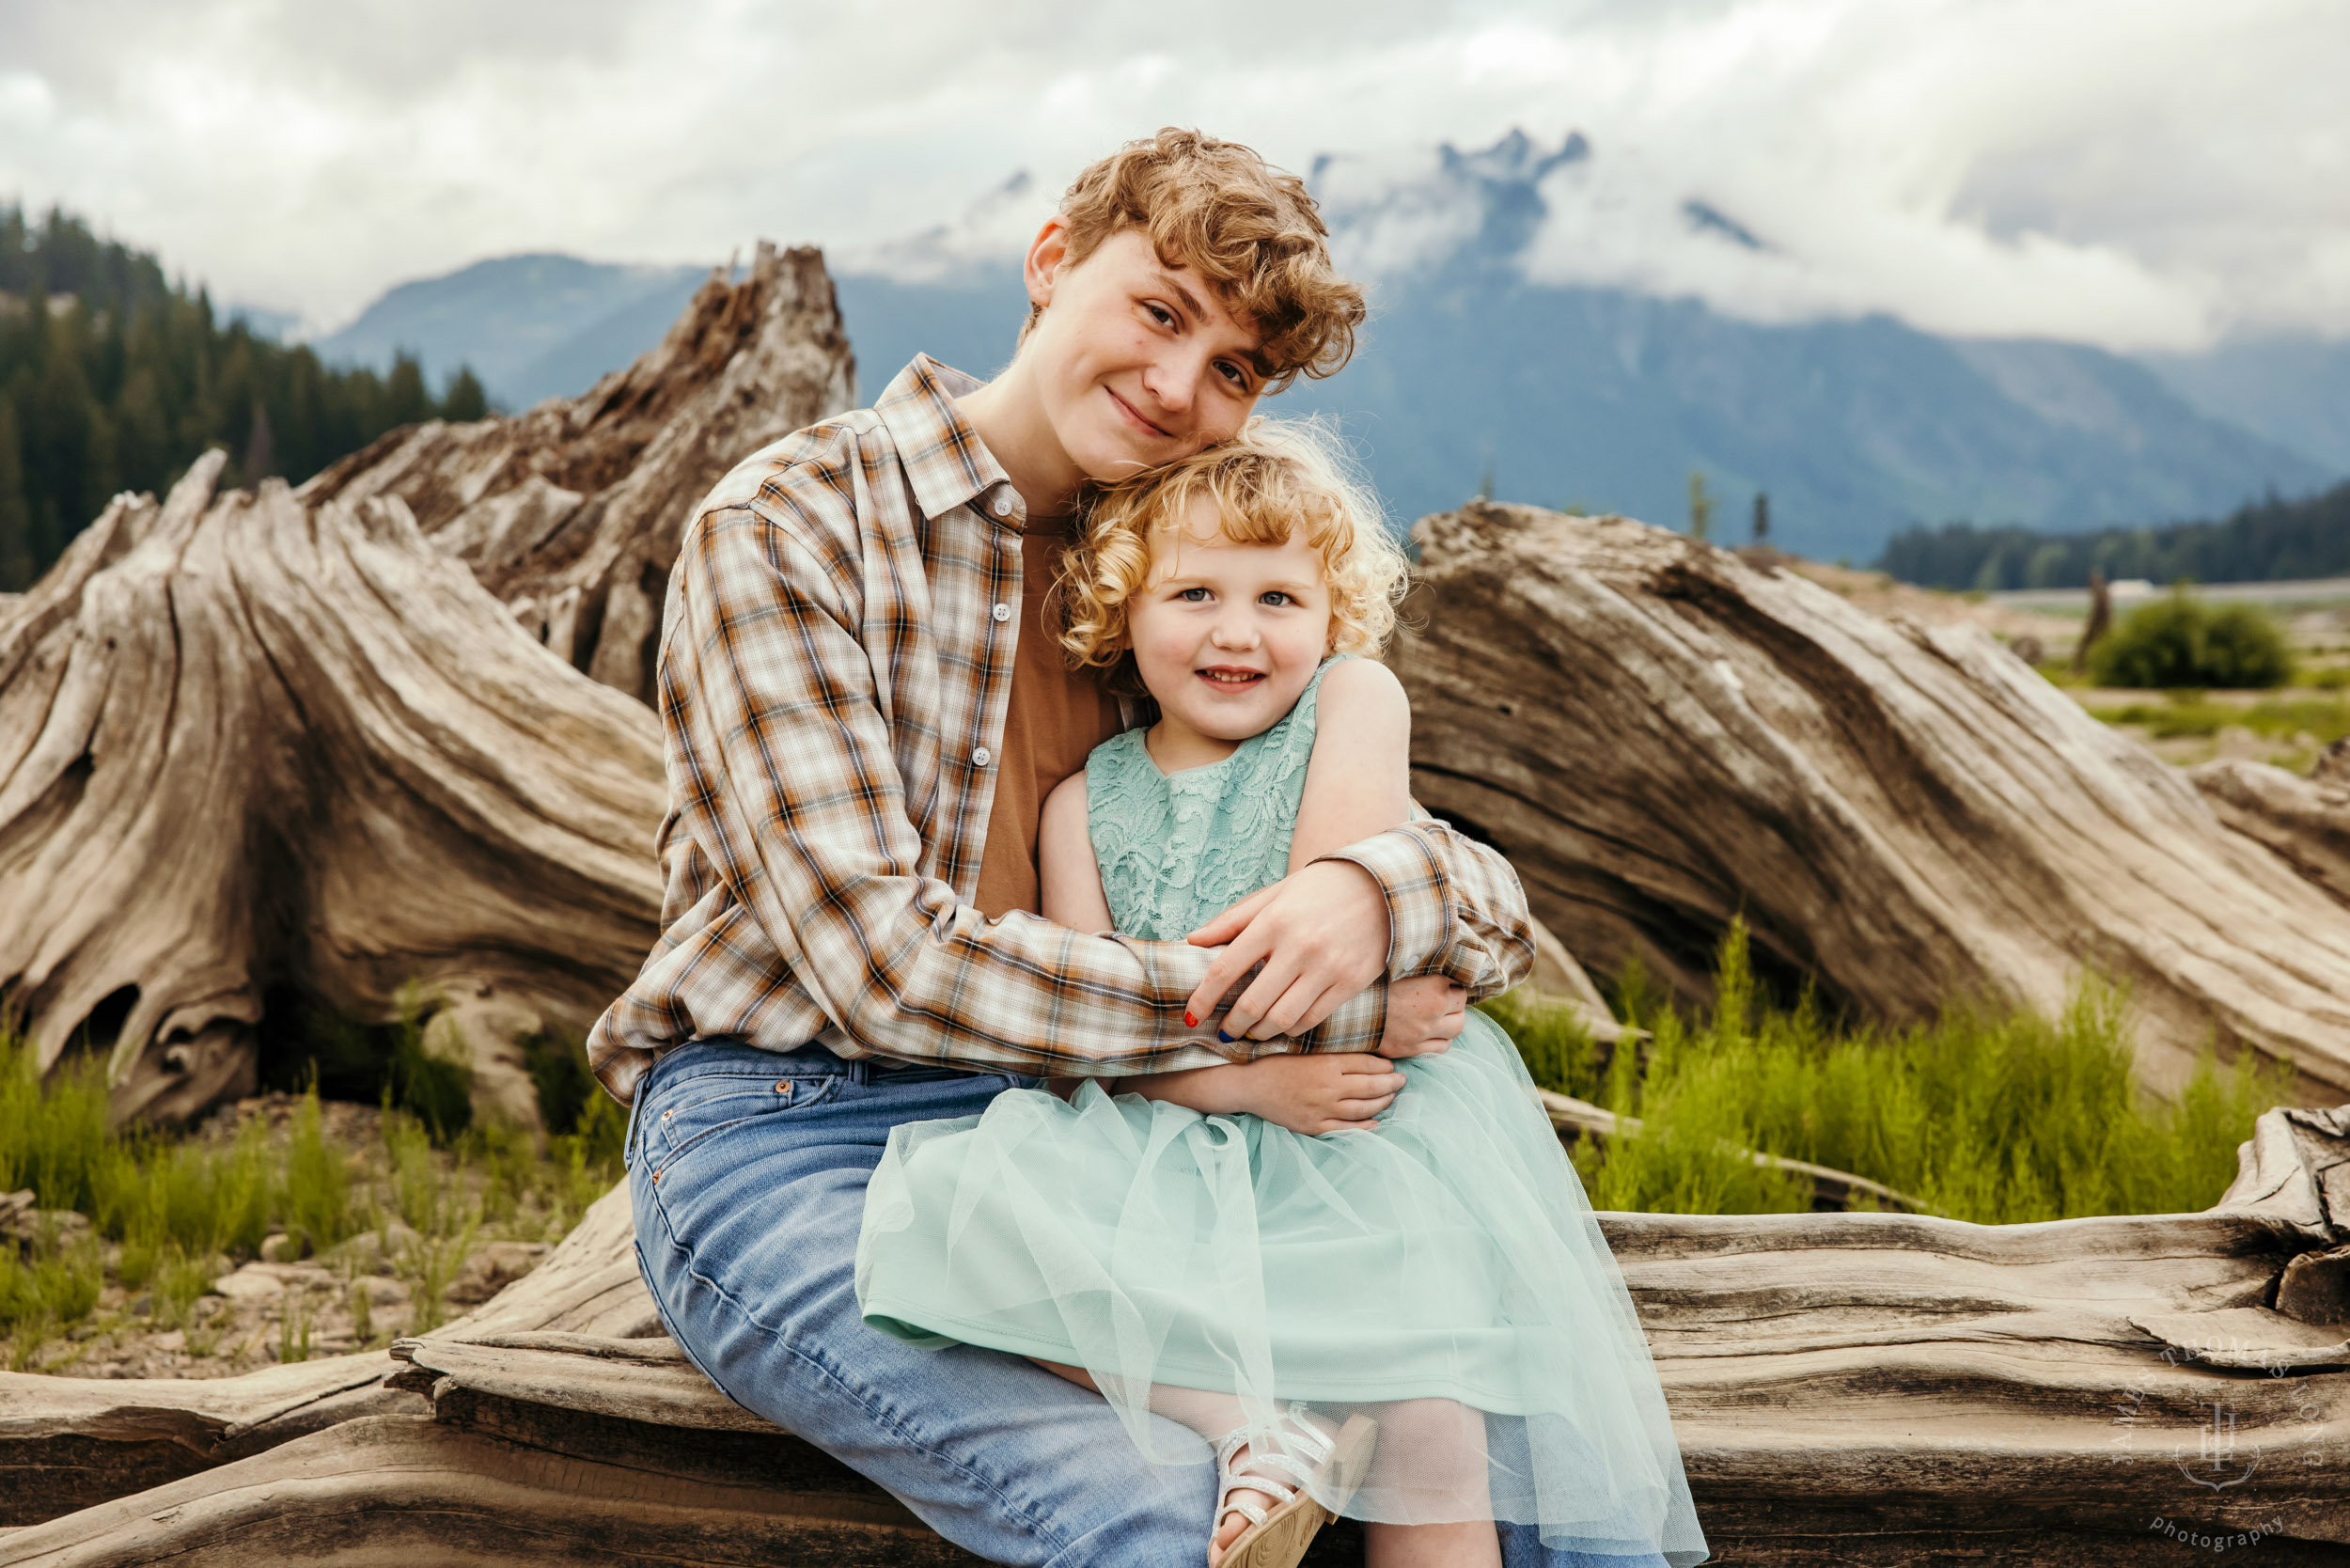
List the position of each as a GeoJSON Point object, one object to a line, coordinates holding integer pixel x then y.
{"type": "Point", "coordinates": [1189, 1022]}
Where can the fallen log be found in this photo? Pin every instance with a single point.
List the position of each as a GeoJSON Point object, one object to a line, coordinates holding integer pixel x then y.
{"type": "Point", "coordinates": [1662, 737]}
{"type": "Point", "coordinates": [1848, 1388]}
{"type": "Point", "coordinates": [246, 742]}
{"type": "Point", "coordinates": [570, 513]}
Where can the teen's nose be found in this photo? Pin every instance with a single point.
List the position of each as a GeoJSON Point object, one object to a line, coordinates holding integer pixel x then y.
{"type": "Point", "coordinates": [1173, 381]}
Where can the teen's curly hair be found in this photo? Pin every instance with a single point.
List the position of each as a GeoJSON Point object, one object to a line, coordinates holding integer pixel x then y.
{"type": "Point", "coordinates": [1253, 231]}
{"type": "Point", "coordinates": [1275, 482]}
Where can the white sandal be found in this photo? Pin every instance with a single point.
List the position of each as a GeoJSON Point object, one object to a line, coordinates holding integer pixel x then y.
{"type": "Point", "coordinates": [1279, 1536]}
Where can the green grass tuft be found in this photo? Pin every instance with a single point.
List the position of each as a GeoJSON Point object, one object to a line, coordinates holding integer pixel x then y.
{"type": "Point", "coordinates": [1987, 1114]}
{"type": "Point", "coordinates": [170, 1213]}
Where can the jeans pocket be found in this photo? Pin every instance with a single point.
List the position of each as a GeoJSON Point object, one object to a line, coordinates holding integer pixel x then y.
{"type": "Point", "coordinates": [699, 1109]}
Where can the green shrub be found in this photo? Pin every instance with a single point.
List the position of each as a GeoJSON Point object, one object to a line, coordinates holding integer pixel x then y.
{"type": "Point", "coordinates": [1994, 1115]}
{"type": "Point", "coordinates": [2181, 642]}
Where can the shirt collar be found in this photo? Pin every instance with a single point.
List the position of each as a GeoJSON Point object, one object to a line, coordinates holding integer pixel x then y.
{"type": "Point", "coordinates": [944, 459]}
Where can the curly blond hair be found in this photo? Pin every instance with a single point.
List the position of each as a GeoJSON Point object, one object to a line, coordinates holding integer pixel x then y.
{"type": "Point", "coordinates": [1251, 231]}
{"type": "Point", "coordinates": [1274, 480]}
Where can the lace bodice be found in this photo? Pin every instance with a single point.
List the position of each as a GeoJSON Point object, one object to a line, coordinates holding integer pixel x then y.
{"type": "Point", "coordinates": [1176, 850]}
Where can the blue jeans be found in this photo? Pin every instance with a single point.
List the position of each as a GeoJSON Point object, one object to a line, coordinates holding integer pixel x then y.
{"type": "Point", "coordinates": [747, 1172]}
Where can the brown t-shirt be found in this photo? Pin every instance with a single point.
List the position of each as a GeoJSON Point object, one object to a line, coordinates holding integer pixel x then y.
{"type": "Point", "coordinates": [1055, 716]}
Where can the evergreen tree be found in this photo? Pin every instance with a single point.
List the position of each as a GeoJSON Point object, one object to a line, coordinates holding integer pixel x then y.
{"type": "Point", "coordinates": [1701, 506]}
{"type": "Point", "coordinates": [113, 377]}
{"type": "Point", "coordinates": [16, 558]}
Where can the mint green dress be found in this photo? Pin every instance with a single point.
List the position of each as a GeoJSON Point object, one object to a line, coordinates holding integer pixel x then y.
{"type": "Point", "coordinates": [1450, 1255]}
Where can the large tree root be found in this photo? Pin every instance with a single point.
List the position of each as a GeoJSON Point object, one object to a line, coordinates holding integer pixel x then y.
{"type": "Point", "coordinates": [572, 513]}
{"type": "Point", "coordinates": [1847, 1389]}
{"type": "Point", "coordinates": [252, 743]}
{"type": "Point", "coordinates": [1662, 737]}
{"type": "Point", "coordinates": [248, 744]}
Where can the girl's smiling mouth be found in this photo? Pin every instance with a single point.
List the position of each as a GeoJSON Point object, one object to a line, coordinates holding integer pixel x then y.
{"type": "Point", "coordinates": [1229, 677]}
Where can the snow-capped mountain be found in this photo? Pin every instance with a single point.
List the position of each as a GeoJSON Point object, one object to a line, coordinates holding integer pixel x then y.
{"type": "Point", "coordinates": [1539, 328]}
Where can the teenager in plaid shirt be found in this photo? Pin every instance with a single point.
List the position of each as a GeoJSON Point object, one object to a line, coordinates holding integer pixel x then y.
{"type": "Point", "coordinates": [861, 715]}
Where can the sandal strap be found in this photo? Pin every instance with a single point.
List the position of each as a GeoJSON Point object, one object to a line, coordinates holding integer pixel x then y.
{"type": "Point", "coordinates": [1306, 1436]}
{"type": "Point", "coordinates": [1247, 1511]}
{"type": "Point", "coordinates": [1238, 1475]}
{"type": "Point", "coordinates": [1298, 1469]}
{"type": "Point", "coordinates": [1298, 1431]}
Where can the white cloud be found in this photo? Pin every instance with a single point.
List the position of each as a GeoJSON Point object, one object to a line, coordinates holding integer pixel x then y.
{"type": "Point", "coordinates": [2131, 172]}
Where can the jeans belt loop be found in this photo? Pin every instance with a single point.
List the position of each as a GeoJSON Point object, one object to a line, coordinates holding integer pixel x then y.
{"type": "Point", "coordinates": [635, 1115]}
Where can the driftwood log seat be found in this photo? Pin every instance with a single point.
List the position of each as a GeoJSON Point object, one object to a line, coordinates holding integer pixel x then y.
{"type": "Point", "coordinates": [1848, 1388]}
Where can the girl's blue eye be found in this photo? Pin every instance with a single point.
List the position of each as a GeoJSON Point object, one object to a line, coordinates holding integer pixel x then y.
{"type": "Point", "coordinates": [1194, 596]}
{"type": "Point", "coordinates": [1275, 597]}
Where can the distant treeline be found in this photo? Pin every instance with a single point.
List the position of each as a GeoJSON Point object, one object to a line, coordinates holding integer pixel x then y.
{"type": "Point", "coordinates": [114, 378]}
{"type": "Point", "coordinates": [2266, 542]}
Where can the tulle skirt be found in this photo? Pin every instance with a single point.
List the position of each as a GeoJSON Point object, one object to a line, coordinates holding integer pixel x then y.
{"type": "Point", "coordinates": [1443, 1275]}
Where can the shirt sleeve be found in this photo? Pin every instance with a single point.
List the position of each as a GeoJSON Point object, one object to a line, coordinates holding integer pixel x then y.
{"type": "Point", "coordinates": [791, 758]}
{"type": "Point", "coordinates": [1455, 906]}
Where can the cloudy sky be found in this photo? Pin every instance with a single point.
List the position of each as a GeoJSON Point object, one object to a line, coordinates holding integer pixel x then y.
{"type": "Point", "coordinates": [2136, 173]}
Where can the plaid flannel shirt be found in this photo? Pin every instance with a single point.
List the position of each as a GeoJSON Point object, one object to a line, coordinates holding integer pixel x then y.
{"type": "Point", "coordinates": [836, 662]}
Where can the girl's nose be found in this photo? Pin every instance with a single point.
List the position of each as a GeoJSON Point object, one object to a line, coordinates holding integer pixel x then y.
{"type": "Point", "coordinates": [1235, 631]}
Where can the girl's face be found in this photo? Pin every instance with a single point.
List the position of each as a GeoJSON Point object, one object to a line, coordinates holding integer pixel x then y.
{"type": "Point", "coordinates": [1227, 635]}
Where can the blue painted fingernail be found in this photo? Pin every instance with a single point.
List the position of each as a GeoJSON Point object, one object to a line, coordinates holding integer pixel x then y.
{"type": "Point", "coordinates": [1226, 1038]}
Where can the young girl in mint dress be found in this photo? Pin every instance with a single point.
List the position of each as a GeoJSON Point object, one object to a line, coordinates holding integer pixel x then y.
{"type": "Point", "coordinates": [1397, 1310]}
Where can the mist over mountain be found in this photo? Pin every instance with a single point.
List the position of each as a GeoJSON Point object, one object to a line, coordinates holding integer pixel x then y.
{"type": "Point", "coordinates": [1488, 363]}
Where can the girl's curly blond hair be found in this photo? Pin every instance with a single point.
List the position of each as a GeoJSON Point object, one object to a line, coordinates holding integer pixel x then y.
{"type": "Point", "coordinates": [1275, 480]}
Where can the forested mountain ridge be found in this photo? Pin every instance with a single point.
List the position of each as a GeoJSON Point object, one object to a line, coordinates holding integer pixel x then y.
{"type": "Point", "coordinates": [114, 377]}
{"type": "Point", "coordinates": [2266, 541]}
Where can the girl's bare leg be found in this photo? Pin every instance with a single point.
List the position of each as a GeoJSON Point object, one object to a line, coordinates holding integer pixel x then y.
{"type": "Point", "coordinates": [1208, 1414]}
{"type": "Point", "coordinates": [1443, 1443]}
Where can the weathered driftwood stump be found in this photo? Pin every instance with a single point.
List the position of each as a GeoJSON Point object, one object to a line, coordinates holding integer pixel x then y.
{"type": "Point", "coordinates": [2305, 820]}
{"type": "Point", "coordinates": [1874, 1388]}
{"type": "Point", "coordinates": [1661, 737]}
{"type": "Point", "coordinates": [572, 513]}
{"type": "Point", "coordinates": [247, 743]}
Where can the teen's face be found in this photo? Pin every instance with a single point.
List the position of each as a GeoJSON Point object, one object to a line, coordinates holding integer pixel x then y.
{"type": "Point", "coordinates": [1227, 635]}
{"type": "Point", "coordinates": [1136, 363]}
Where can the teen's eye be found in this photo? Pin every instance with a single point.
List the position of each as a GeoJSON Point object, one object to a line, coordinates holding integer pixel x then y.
{"type": "Point", "coordinates": [1233, 373]}
{"type": "Point", "coordinates": [1159, 313]}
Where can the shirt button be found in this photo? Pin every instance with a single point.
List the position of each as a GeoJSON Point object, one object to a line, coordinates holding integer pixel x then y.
{"type": "Point", "coordinates": [1003, 612]}
{"type": "Point", "coordinates": [979, 758]}
{"type": "Point", "coordinates": [1003, 503]}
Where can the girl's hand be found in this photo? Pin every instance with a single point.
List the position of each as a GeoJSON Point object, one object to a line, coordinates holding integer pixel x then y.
{"type": "Point", "coordinates": [1425, 1014]}
{"type": "Point", "coordinates": [1321, 933]}
{"type": "Point", "coordinates": [1315, 1094]}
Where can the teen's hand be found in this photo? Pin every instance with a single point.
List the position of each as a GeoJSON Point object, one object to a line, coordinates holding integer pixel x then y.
{"type": "Point", "coordinates": [1425, 1015]}
{"type": "Point", "coordinates": [1317, 1094]}
{"type": "Point", "coordinates": [1322, 932]}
